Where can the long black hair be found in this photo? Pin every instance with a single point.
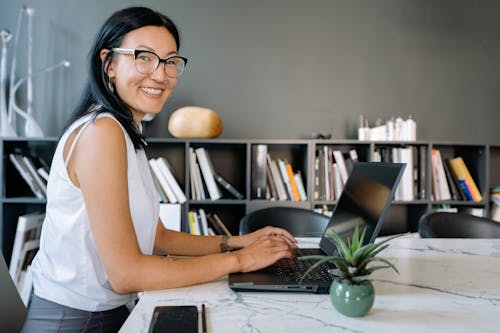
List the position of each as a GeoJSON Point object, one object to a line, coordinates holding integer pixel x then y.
{"type": "Point", "coordinates": [97, 96]}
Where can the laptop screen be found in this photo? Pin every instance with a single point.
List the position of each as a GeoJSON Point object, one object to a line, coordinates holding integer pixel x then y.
{"type": "Point", "coordinates": [364, 201]}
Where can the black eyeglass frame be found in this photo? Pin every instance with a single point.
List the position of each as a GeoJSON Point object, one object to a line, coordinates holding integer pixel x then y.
{"type": "Point", "coordinates": [160, 60]}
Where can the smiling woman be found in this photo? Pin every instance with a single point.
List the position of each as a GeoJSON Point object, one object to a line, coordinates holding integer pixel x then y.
{"type": "Point", "coordinates": [102, 216]}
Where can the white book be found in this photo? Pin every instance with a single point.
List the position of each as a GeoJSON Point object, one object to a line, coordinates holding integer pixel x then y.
{"type": "Point", "coordinates": [396, 158]}
{"type": "Point", "coordinates": [300, 186]}
{"type": "Point", "coordinates": [407, 184]}
{"type": "Point", "coordinates": [208, 176]}
{"type": "Point", "coordinates": [284, 176]}
{"type": "Point", "coordinates": [16, 159]}
{"type": "Point", "coordinates": [339, 159]}
{"type": "Point", "coordinates": [327, 173]}
{"type": "Point", "coordinates": [199, 183]}
{"type": "Point", "coordinates": [338, 186]}
{"type": "Point", "coordinates": [43, 174]}
{"type": "Point", "coordinates": [26, 286]}
{"type": "Point", "coordinates": [163, 181]}
{"type": "Point", "coordinates": [27, 253]}
{"type": "Point", "coordinates": [28, 228]}
{"type": "Point", "coordinates": [444, 188]}
{"type": "Point", "coordinates": [30, 166]}
{"type": "Point", "coordinates": [170, 216]}
{"type": "Point", "coordinates": [203, 222]}
{"type": "Point", "coordinates": [174, 185]}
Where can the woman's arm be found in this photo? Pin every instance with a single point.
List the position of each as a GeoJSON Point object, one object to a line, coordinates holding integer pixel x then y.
{"type": "Point", "coordinates": [181, 243]}
{"type": "Point", "coordinates": [99, 167]}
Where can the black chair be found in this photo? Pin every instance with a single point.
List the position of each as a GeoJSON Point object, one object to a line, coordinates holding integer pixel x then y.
{"type": "Point", "coordinates": [298, 221]}
{"type": "Point", "coordinates": [457, 225]}
{"type": "Point", "coordinates": [12, 309]}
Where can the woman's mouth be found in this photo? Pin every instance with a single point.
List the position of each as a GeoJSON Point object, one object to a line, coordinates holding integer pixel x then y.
{"type": "Point", "coordinates": [151, 91]}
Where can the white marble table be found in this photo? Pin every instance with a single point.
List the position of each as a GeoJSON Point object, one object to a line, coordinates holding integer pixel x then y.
{"type": "Point", "coordinates": [445, 285]}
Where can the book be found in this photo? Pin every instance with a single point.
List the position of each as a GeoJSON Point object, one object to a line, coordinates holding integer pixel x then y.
{"type": "Point", "coordinates": [461, 171]}
{"type": "Point", "coordinates": [24, 281]}
{"type": "Point", "coordinates": [16, 160]}
{"type": "Point", "coordinates": [278, 180]}
{"type": "Point", "coordinates": [457, 185]}
{"type": "Point", "coordinates": [293, 184]}
{"type": "Point", "coordinates": [169, 193]}
{"type": "Point", "coordinates": [170, 216]}
{"type": "Point", "coordinates": [228, 186]}
{"type": "Point", "coordinates": [161, 195]}
{"type": "Point", "coordinates": [316, 179]}
{"type": "Point", "coordinates": [300, 186]}
{"type": "Point", "coordinates": [203, 222]}
{"type": "Point", "coordinates": [339, 159]}
{"type": "Point", "coordinates": [259, 176]}
{"type": "Point", "coordinates": [327, 174]}
{"type": "Point", "coordinates": [28, 228]}
{"type": "Point", "coordinates": [222, 225]}
{"type": "Point", "coordinates": [271, 184]}
{"type": "Point", "coordinates": [194, 228]}
{"type": "Point", "coordinates": [214, 225]}
{"type": "Point", "coordinates": [172, 182]}
{"type": "Point", "coordinates": [466, 189]}
{"type": "Point", "coordinates": [286, 180]}
{"type": "Point", "coordinates": [440, 187]}
{"type": "Point", "coordinates": [422, 172]}
{"type": "Point", "coordinates": [207, 172]}
{"type": "Point", "coordinates": [215, 221]}
{"type": "Point", "coordinates": [455, 194]}
{"type": "Point", "coordinates": [32, 169]}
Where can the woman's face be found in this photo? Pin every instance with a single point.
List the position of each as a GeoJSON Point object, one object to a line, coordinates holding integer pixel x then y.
{"type": "Point", "coordinates": [143, 93]}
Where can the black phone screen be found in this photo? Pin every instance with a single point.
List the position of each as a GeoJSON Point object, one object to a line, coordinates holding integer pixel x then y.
{"type": "Point", "coordinates": [177, 318]}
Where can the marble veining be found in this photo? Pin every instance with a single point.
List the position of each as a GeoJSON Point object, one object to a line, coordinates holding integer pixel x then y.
{"type": "Point", "coordinates": [444, 285]}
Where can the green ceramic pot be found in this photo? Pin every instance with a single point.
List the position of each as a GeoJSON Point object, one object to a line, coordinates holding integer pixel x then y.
{"type": "Point", "coordinates": [352, 300]}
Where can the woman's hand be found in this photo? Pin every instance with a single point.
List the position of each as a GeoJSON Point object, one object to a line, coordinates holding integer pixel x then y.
{"type": "Point", "coordinates": [264, 251]}
{"type": "Point", "coordinates": [246, 240]}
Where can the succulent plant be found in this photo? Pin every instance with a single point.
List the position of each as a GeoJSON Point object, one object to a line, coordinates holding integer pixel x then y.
{"type": "Point", "coordinates": [353, 258]}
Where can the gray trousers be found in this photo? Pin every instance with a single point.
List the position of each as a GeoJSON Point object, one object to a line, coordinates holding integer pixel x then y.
{"type": "Point", "coordinates": [47, 316]}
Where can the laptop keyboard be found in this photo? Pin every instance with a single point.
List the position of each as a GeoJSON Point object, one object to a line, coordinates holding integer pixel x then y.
{"type": "Point", "coordinates": [292, 270]}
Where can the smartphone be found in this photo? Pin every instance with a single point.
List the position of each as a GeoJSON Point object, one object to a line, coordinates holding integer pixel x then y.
{"type": "Point", "coordinates": [174, 319]}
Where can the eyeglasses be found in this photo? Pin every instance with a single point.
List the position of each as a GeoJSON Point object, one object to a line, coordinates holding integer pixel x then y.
{"type": "Point", "coordinates": [146, 62]}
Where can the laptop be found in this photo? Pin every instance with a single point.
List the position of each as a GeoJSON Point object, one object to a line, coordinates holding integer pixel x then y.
{"type": "Point", "coordinates": [364, 201]}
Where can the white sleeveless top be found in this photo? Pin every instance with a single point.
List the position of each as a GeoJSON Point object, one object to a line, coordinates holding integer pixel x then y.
{"type": "Point", "coordinates": [67, 269]}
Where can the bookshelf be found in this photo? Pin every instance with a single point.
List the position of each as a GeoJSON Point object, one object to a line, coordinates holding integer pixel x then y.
{"type": "Point", "coordinates": [232, 159]}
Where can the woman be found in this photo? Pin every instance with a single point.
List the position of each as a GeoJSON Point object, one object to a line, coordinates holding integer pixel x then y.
{"type": "Point", "coordinates": [102, 224]}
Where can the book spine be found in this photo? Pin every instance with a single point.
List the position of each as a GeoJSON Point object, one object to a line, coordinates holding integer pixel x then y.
{"type": "Point", "coordinates": [172, 182]}
{"type": "Point", "coordinates": [465, 188]}
{"type": "Point", "coordinates": [280, 186]}
{"type": "Point", "coordinates": [16, 161]}
{"type": "Point", "coordinates": [206, 170]}
{"type": "Point", "coordinates": [162, 180]}
{"type": "Point", "coordinates": [293, 185]}
{"type": "Point", "coordinates": [259, 181]}
{"type": "Point", "coordinates": [286, 181]}
{"type": "Point", "coordinates": [227, 185]}
{"type": "Point", "coordinates": [462, 172]}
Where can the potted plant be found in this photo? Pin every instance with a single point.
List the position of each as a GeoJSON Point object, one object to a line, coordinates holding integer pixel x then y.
{"type": "Point", "coordinates": [351, 291]}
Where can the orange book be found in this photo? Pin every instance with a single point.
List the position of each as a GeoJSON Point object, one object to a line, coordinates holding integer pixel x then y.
{"type": "Point", "coordinates": [460, 169]}
{"type": "Point", "coordinates": [293, 184]}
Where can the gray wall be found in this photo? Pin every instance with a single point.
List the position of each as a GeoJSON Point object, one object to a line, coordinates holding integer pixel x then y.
{"type": "Point", "coordinates": [284, 69]}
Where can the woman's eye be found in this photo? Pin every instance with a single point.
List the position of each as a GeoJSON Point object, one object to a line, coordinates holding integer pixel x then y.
{"type": "Point", "coordinates": [144, 57]}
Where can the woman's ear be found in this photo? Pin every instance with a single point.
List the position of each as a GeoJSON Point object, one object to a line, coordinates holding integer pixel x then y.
{"type": "Point", "coordinates": [108, 66]}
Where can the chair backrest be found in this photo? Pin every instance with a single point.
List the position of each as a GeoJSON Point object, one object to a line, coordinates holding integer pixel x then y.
{"type": "Point", "coordinates": [457, 225]}
{"type": "Point", "coordinates": [12, 309]}
{"type": "Point", "coordinates": [298, 221]}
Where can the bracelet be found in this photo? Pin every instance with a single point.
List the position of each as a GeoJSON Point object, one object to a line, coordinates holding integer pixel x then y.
{"type": "Point", "coordinates": [224, 247]}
